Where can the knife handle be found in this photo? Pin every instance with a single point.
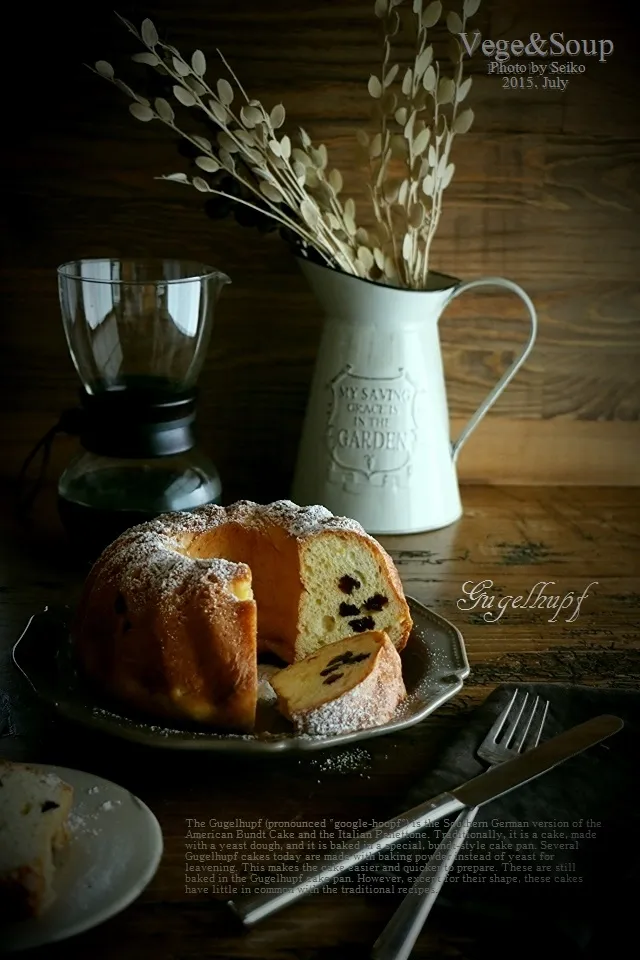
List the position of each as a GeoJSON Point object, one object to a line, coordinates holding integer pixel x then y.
{"type": "Point", "coordinates": [399, 936]}
{"type": "Point", "coordinates": [344, 856]}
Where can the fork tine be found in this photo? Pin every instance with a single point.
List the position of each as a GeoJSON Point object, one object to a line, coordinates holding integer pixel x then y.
{"type": "Point", "coordinates": [512, 725]}
{"type": "Point", "coordinates": [541, 724]}
{"type": "Point", "coordinates": [522, 734]}
{"type": "Point", "coordinates": [499, 722]}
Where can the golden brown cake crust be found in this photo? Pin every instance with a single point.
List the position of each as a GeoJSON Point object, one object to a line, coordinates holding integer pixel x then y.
{"type": "Point", "coordinates": [171, 612]}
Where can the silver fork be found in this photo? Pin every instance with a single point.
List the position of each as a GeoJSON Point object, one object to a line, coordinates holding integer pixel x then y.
{"type": "Point", "coordinates": [512, 733]}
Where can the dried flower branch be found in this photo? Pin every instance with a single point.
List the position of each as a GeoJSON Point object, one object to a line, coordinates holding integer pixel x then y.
{"type": "Point", "coordinates": [417, 109]}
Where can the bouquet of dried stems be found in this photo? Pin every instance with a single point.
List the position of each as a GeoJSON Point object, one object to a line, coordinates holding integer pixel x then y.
{"type": "Point", "coordinates": [418, 112]}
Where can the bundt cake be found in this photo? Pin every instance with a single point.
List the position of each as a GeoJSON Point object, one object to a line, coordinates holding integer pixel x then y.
{"type": "Point", "coordinates": [349, 685]}
{"type": "Point", "coordinates": [174, 612]}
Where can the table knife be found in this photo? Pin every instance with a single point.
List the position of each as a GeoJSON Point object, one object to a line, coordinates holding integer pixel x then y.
{"type": "Point", "coordinates": [488, 786]}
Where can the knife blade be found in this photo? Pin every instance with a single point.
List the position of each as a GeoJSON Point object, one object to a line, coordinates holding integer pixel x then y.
{"type": "Point", "coordinates": [490, 785]}
{"type": "Point", "coordinates": [503, 778]}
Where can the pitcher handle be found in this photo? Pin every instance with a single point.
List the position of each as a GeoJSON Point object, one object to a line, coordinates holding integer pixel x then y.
{"type": "Point", "coordinates": [511, 371]}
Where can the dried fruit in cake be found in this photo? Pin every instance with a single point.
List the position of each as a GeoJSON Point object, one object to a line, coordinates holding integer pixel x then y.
{"type": "Point", "coordinates": [349, 685]}
{"type": "Point", "coordinates": [34, 806]}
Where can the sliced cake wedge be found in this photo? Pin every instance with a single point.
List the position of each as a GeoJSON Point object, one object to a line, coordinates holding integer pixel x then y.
{"type": "Point", "coordinates": [34, 807]}
{"type": "Point", "coordinates": [349, 685]}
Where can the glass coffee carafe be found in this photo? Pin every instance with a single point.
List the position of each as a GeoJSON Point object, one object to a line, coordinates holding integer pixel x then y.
{"type": "Point", "coordinates": [137, 331]}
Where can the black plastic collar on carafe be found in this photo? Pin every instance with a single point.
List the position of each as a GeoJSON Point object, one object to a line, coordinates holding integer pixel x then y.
{"type": "Point", "coordinates": [138, 421]}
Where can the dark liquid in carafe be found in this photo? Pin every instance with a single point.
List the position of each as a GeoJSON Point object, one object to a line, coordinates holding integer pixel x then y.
{"type": "Point", "coordinates": [93, 520]}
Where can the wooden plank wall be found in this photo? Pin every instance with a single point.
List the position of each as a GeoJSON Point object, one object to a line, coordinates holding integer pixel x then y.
{"type": "Point", "coordinates": [546, 193]}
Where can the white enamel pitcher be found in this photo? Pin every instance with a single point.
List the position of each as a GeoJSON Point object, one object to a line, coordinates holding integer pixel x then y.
{"type": "Point", "coordinates": [375, 443]}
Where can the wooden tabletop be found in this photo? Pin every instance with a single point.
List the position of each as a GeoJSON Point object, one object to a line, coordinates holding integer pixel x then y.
{"type": "Point", "coordinates": [513, 540]}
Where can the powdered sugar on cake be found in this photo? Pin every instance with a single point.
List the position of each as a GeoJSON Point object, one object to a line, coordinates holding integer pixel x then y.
{"type": "Point", "coordinates": [151, 566]}
{"type": "Point", "coordinates": [155, 557]}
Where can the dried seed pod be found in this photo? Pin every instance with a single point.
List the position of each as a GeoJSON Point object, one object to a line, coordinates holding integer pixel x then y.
{"type": "Point", "coordinates": [184, 97]}
{"type": "Point", "coordinates": [181, 68]}
{"type": "Point", "coordinates": [208, 164]}
{"type": "Point", "coordinates": [277, 116]}
{"type": "Point", "coordinates": [375, 147]}
{"type": "Point", "coordinates": [408, 130]}
{"type": "Point", "coordinates": [302, 157]}
{"type": "Point", "coordinates": [429, 79]}
{"type": "Point", "coordinates": [390, 190]}
{"type": "Point", "coordinates": [150, 59]}
{"type": "Point", "coordinates": [219, 111]}
{"type": "Point", "coordinates": [448, 175]}
{"type": "Point", "coordinates": [389, 103]}
{"type": "Point", "coordinates": [390, 268]}
{"type": "Point", "coordinates": [365, 257]}
{"type": "Point", "coordinates": [194, 84]}
{"type": "Point", "coordinates": [463, 121]}
{"type": "Point", "coordinates": [250, 116]}
{"type": "Point", "coordinates": [285, 148]}
{"type": "Point", "coordinates": [428, 185]}
{"type": "Point", "coordinates": [225, 92]}
{"type": "Point", "coordinates": [423, 61]}
{"type": "Point", "coordinates": [141, 112]}
{"type": "Point", "coordinates": [390, 76]}
{"type": "Point", "coordinates": [164, 110]}
{"type": "Point", "coordinates": [335, 179]}
{"type": "Point", "coordinates": [227, 161]}
{"type": "Point", "coordinates": [149, 33]}
{"type": "Point", "coordinates": [374, 87]}
{"type": "Point", "coordinates": [309, 213]}
{"type": "Point", "coordinates": [350, 225]}
{"type": "Point", "coordinates": [271, 192]}
{"type": "Point", "coordinates": [227, 142]}
{"type": "Point", "coordinates": [417, 214]}
{"type": "Point", "coordinates": [463, 89]}
{"type": "Point", "coordinates": [421, 142]}
{"type": "Point", "coordinates": [199, 63]}
{"type": "Point", "coordinates": [446, 90]}
{"type": "Point", "coordinates": [431, 14]}
{"type": "Point", "coordinates": [454, 23]}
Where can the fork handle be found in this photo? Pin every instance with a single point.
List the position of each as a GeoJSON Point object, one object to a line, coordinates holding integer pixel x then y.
{"type": "Point", "coordinates": [399, 936]}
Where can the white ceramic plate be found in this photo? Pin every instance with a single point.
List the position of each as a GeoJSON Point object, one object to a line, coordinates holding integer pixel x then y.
{"type": "Point", "coordinates": [113, 852]}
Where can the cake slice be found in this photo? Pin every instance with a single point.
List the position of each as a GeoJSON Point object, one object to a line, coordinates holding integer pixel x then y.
{"type": "Point", "coordinates": [34, 806]}
{"type": "Point", "coordinates": [349, 685]}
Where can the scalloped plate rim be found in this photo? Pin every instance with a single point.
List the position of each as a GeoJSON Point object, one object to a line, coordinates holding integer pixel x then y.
{"type": "Point", "coordinates": [145, 733]}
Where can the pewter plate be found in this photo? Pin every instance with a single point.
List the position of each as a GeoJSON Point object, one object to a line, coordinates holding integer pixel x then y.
{"type": "Point", "coordinates": [434, 666]}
